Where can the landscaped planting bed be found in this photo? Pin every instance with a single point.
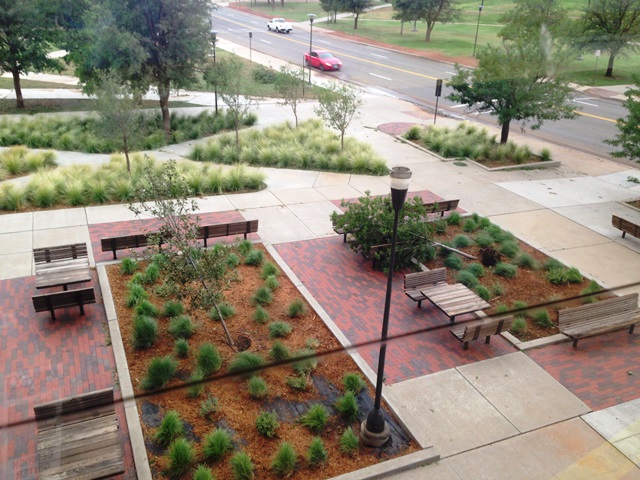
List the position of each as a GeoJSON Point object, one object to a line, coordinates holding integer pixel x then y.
{"type": "Point", "coordinates": [234, 410]}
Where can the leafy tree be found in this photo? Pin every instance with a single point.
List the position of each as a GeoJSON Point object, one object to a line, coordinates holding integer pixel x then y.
{"type": "Point", "coordinates": [332, 7]}
{"type": "Point", "coordinates": [613, 26]}
{"type": "Point", "coordinates": [406, 11]}
{"type": "Point", "coordinates": [628, 138]}
{"type": "Point", "coordinates": [117, 106]}
{"type": "Point", "coordinates": [514, 81]}
{"type": "Point", "coordinates": [290, 85]}
{"type": "Point", "coordinates": [356, 7]}
{"type": "Point", "coordinates": [338, 105]}
{"type": "Point", "coordinates": [27, 31]}
{"type": "Point", "coordinates": [528, 16]}
{"type": "Point", "coordinates": [233, 88]}
{"type": "Point", "coordinates": [370, 220]}
{"type": "Point", "coordinates": [433, 11]}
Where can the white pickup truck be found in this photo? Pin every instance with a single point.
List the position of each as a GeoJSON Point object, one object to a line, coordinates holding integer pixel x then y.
{"type": "Point", "coordinates": [279, 25]}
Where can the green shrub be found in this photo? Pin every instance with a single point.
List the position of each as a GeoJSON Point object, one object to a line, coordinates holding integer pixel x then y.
{"type": "Point", "coordinates": [254, 258]}
{"type": "Point", "coordinates": [467, 278]}
{"type": "Point", "coordinates": [233, 261]}
{"type": "Point", "coordinates": [509, 249]}
{"type": "Point", "coordinates": [524, 260]}
{"type": "Point", "coordinates": [551, 264]}
{"type": "Point", "coordinates": [483, 292]}
{"type": "Point", "coordinates": [257, 388]}
{"type": "Point", "coordinates": [557, 276]}
{"type": "Point", "coordinates": [317, 453]}
{"type": "Point", "coordinates": [279, 329]}
{"type": "Point", "coordinates": [181, 346]}
{"type": "Point", "coordinates": [181, 327]}
{"type": "Point", "coordinates": [216, 445]}
{"type": "Point", "coordinates": [242, 467]}
{"type": "Point", "coordinates": [279, 351]}
{"type": "Point", "coordinates": [297, 308]}
{"type": "Point", "coordinates": [476, 269]}
{"type": "Point", "coordinates": [136, 279]}
{"type": "Point", "coordinates": [483, 239]}
{"type": "Point", "coordinates": [203, 473]}
{"type": "Point", "coordinates": [312, 343]}
{"type": "Point", "coordinates": [469, 225]}
{"type": "Point", "coordinates": [170, 428]}
{"type": "Point", "coordinates": [284, 462]}
{"type": "Point", "coordinates": [128, 266]}
{"type": "Point", "coordinates": [226, 310]}
{"type": "Point", "coordinates": [573, 275]}
{"type": "Point", "coordinates": [461, 241]}
{"type": "Point", "coordinates": [306, 363]}
{"type": "Point", "coordinates": [245, 362]}
{"type": "Point", "coordinates": [592, 288]}
{"type": "Point", "coordinates": [453, 261]}
{"type": "Point", "coordinates": [349, 442]}
{"type": "Point", "coordinates": [497, 290]}
{"type": "Point", "coordinates": [145, 331]}
{"type": "Point", "coordinates": [353, 382]}
{"type": "Point", "coordinates": [271, 282]}
{"type": "Point", "coordinates": [268, 269]}
{"type": "Point", "coordinates": [299, 383]}
{"type": "Point", "coordinates": [245, 247]}
{"type": "Point", "coordinates": [136, 295]}
{"type": "Point", "coordinates": [505, 270]}
{"type": "Point", "coordinates": [159, 372]}
{"type": "Point", "coordinates": [260, 315]}
{"type": "Point", "coordinates": [267, 424]}
{"type": "Point", "coordinates": [519, 305]}
{"type": "Point", "coordinates": [208, 407]}
{"type": "Point", "coordinates": [151, 274]}
{"type": "Point", "coordinates": [502, 308]}
{"type": "Point", "coordinates": [519, 325]}
{"type": "Point", "coordinates": [181, 456]}
{"type": "Point", "coordinates": [316, 418]}
{"type": "Point", "coordinates": [145, 307]}
{"type": "Point", "coordinates": [262, 296]}
{"type": "Point", "coordinates": [347, 407]}
{"type": "Point", "coordinates": [545, 154]}
{"type": "Point", "coordinates": [453, 218]}
{"type": "Point", "coordinates": [208, 359]}
{"type": "Point", "coordinates": [172, 309]}
{"type": "Point", "coordinates": [413, 133]}
{"type": "Point", "coordinates": [541, 318]}
{"type": "Point", "coordinates": [197, 388]}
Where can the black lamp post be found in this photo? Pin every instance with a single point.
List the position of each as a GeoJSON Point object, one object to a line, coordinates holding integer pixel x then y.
{"type": "Point", "coordinates": [480, 7]}
{"type": "Point", "coordinates": [311, 17]}
{"type": "Point", "coordinates": [374, 430]}
{"type": "Point", "coordinates": [214, 39]}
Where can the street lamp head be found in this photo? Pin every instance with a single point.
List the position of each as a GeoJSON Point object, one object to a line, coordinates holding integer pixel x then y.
{"type": "Point", "coordinates": [311, 17]}
{"type": "Point", "coordinates": [214, 34]}
{"type": "Point", "coordinates": [400, 178]}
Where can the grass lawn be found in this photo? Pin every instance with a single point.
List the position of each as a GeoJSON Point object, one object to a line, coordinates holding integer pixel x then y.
{"type": "Point", "coordinates": [57, 105]}
{"type": "Point", "coordinates": [8, 83]}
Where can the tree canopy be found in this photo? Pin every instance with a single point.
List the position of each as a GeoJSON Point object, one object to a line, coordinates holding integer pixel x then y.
{"type": "Point", "coordinates": [527, 18]}
{"type": "Point", "coordinates": [430, 11]}
{"type": "Point", "coordinates": [356, 7]}
{"type": "Point", "coordinates": [514, 81]}
{"type": "Point", "coordinates": [338, 104]}
{"type": "Point", "coordinates": [628, 138]}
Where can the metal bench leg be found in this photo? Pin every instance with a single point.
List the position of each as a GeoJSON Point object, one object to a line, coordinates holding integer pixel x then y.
{"type": "Point", "coordinates": [419, 303]}
{"type": "Point", "coordinates": [488, 339]}
{"type": "Point", "coordinates": [575, 343]}
{"type": "Point", "coordinates": [465, 346]}
{"type": "Point", "coordinates": [623, 234]}
{"type": "Point", "coordinates": [631, 328]}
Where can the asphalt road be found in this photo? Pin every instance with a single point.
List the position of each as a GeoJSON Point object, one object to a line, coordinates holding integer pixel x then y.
{"type": "Point", "coordinates": [412, 78]}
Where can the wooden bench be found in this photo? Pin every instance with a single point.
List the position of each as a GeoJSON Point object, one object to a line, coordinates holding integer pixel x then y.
{"type": "Point", "coordinates": [415, 282]}
{"type": "Point", "coordinates": [600, 317]}
{"type": "Point", "coordinates": [68, 298]}
{"type": "Point", "coordinates": [113, 244]}
{"type": "Point", "coordinates": [483, 328]}
{"type": "Point", "coordinates": [62, 265]}
{"type": "Point", "coordinates": [626, 226]}
{"type": "Point", "coordinates": [79, 437]}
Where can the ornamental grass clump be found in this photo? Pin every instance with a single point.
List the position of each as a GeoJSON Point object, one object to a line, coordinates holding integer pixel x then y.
{"type": "Point", "coordinates": [136, 295]}
{"type": "Point", "coordinates": [172, 309]}
{"type": "Point", "coordinates": [267, 424]}
{"type": "Point", "coordinates": [519, 325]}
{"type": "Point", "coordinates": [216, 445]}
{"type": "Point", "coordinates": [233, 261]}
{"type": "Point", "coordinates": [509, 249]}
{"type": "Point", "coordinates": [453, 219]}
{"type": "Point", "coordinates": [467, 278]}
{"type": "Point", "coordinates": [196, 388]}
{"type": "Point", "coordinates": [181, 347]}
{"type": "Point", "coordinates": [159, 372]}
{"type": "Point", "coordinates": [461, 241]}
{"type": "Point", "coordinates": [483, 292]}
{"type": "Point", "coordinates": [268, 269]}
{"type": "Point", "coordinates": [226, 310]}
{"type": "Point", "coordinates": [181, 327]}
{"type": "Point", "coordinates": [316, 418]}
{"type": "Point", "coordinates": [260, 315]}
{"type": "Point", "coordinates": [349, 442]}
{"type": "Point", "coordinates": [263, 296]}
{"type": "Point", "coordinates": [257, 388]}
{"type": "Point", "coordinates": [254, 258]}
{"type": "Point", "coordinates": [353, 382]}
{"type": "Point", "coordinates": [453, 261]}
{"type": "Point", "coordinates": [306, 363]}
{"type": "Point", "coordinates": [476, 269]}
{"type": "Point", "coordinates": [284, 462]}
{"type": "Point", "coordinates": [145, 331]}
{"type": "Point", "coordinates": [151, 274]}
{"type": "Point", "coordinates": [469, 225]}
{"type": "Point", "coordinates": [297, 308]}
{"type": "Point", "coordinates": [317, 453]}
{"type": "Point", "coordinates": [279, 329]}
{"type": "Point", "coordinates": [505, 270]}
{"type": "Point", "coordinates": [203, 473]}
{"type": "Point", "coordinates": [242, 467]}
{"type": "Point", "coordinates": [541, 318]}
{"type": "Point", "coordinates": [128, 266]}
{"type": "Point", "coordinates": [145, 307]}
{"type": "Point", "coordinates": [170, 428]}
{"type": "Point", "coordinates": [245, 362]}
{"type": "Point", "coordinates": [209, 407]}
{"type": "Point", "coordinates": [208, 359]}
{"type": "Point", "coordinates": [347, 407]}
{"type": "Point", "coordinates": [483, 239]}
{"type": "Point", "coordinates": [181, 455]}
{"type": "Point", "coordinates": [524, 260]}
{"type": "Point", "coordinates": [279, 351]}
{"type": "Point", "coordinates": [271, 282]}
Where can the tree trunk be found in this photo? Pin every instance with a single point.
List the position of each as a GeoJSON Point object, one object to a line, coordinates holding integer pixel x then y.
{"type": "Point", "coordinates": [430, 26]}
{"type": "Point", "coordinates": [342, 141]}
{"type": "Point", "coordinates": [163, 91]}
{"type": "Point", "coordinates": [610, 66]}
{"type": "Point", "coordinates": [355, 21]}
{"type": "Point", "coordinates": [401, 27]}
{"type": "Point", "coordinates": [504, 134]}
{"type": "Point", "coordinates": [125, 145]}
{"type": "Point", "coordinates": [17, 88]}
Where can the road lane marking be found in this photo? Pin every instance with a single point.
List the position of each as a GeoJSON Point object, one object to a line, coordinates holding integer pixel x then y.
{"type": "Point", "coordinates": [265, 41]}
{"type": "Point", "coordinates": [379, 56]}
{"type": "Point", "coordinates": [379, 76]}
{"type": "Point", "coordinates": [460, 106]}
{"type": "Point", "coordinates": [590, 115]}
{"type": "Point", "coordinates": [324, 41]}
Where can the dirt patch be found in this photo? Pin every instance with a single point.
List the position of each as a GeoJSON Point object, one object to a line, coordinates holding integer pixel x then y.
{"type": "Point", "coordinates": [237, 410]}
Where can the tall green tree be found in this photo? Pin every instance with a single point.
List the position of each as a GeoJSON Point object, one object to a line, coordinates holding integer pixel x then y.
{"type": "Point", "coordinates": [289, 84]}
{"type": "Point", "coordinates": [434, 11]}
{"type": "Point", "coordinates": [528, 17]}
{"type": "Point", "coordinates": [338, 105]}
{"type": "Point", "coordinates": [612, 26]}
{"type": "Point", "coordinates": [514, 82]}
{"type": "Point", "coordinates": [28, 31]}
{"type": "Point", "coordinates": [406, 11]}
{"type": "Point", "coordinates": [628, 138]}
{"type": "Point", "coordinates": [332, 7]}
{"type": "Point", "coordinates": [356, 7]}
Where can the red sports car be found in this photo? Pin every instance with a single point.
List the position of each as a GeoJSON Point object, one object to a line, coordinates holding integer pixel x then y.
{"type": "Point", "coordinates": [322, 59]}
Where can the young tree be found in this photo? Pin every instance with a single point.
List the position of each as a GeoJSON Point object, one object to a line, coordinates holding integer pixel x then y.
{"type": "Point", "coordinates": [406, 11]}
{"type": "Point", "coordinates": [528, 16]}
{"type": "Point", "coordinates": [117, 106]}
{"type": "Point", "coordinates": [290, 85]}
{"type": "Point", "coordinates": [27, 29]}
{"type": "Point", "coordinates": [628, 138]}
{"type": "Point", "coordinates": [514, 81]}
{"type": "Point", "coordinates": [433, 11]}
{"type": "Point", "coordinates": [356, 7]}
{"type": "Point", "coordinates": [233, 88]}
{"type": "Point", "coordinates": [338, 105]}
{"type": "Point", "coordinates": [613, 26]}
{"type": "Point", "coordinates": [332, 7]}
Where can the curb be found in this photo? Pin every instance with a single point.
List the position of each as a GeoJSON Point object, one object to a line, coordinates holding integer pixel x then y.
{"type": "Point", "coordinates": [393, 466]}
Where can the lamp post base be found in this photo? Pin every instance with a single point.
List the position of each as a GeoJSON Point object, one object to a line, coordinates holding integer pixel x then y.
{"type": "Point", "coordinates": [372, 439]}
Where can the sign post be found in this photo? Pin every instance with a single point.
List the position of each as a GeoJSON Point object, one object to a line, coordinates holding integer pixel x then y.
{"type": "Point", "coordinates": [438, 93]}
{"type": "Point", "coordinates": [596, 67]}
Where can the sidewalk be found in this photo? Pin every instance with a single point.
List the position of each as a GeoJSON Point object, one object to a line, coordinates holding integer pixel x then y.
{"type": "Point", "coordinates": [549, 413]}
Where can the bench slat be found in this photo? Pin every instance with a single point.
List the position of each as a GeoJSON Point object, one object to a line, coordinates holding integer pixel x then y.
{"type": "Point", "coordinates": [626, 226]}
{"type": "Point", "coordinates": [483, 328]}
{"type": "Point", "coordinates": [61, 252]}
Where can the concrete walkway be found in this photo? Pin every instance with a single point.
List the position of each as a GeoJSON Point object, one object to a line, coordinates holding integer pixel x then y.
{"type": "Point", "coordinates": [502, 418]}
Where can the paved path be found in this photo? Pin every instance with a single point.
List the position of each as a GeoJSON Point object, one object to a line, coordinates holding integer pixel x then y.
{"type": "Point", "coordinates": [491, 412]}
